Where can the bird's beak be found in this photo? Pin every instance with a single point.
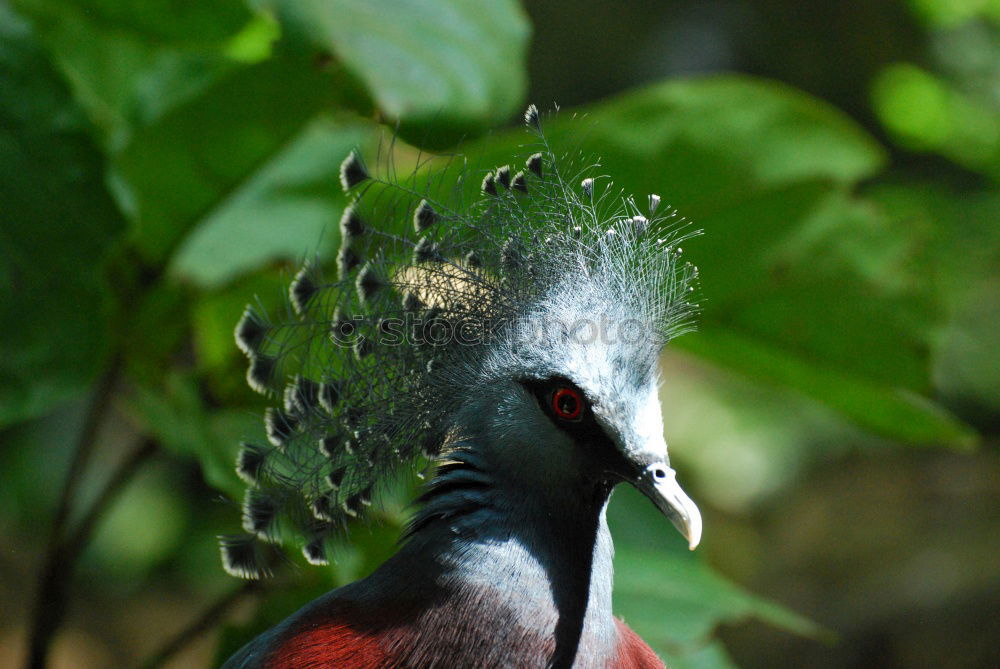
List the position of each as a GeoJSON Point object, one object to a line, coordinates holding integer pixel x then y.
{"type": "Point", "coordinates": [659, 483]}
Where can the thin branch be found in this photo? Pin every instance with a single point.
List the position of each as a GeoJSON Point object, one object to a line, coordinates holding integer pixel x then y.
{"type": "Point", "coordinates": [99, 404]}
{"type": "Point", "coordinates": [50, 600]}
{"type": "Point", "coordinates": [206, 621]}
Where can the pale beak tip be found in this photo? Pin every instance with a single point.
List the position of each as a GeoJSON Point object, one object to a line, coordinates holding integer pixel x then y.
{"type": "Point", "coordinates": [694, 539]}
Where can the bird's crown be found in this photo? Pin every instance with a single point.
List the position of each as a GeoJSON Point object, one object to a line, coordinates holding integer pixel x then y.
{"type": "Point", "coordinates": [428, 298]}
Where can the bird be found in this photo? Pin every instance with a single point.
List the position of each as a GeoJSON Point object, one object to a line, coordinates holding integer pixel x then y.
{"type": "Point", "coordinates": [505, 343]}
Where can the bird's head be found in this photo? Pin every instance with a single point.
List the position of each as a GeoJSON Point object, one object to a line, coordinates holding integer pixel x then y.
{"type": "Point", "coordinates": [528, 322]}
{"type": "Point", "coordinates": [567, 399]}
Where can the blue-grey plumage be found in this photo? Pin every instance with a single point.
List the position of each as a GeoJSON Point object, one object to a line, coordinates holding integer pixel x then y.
{"type": "Point", "coordinates": [514, 344]}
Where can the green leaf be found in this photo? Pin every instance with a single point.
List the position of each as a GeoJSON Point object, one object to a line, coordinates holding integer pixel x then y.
{"type": "Point", "coordinates": [883, 409]}
{"type": "Point", "coordinates": [181, 170]}
{"type": "Point", "coordinates": [57, 223]}
{"type": "Point", "coordinates": [457, 65]}
{"type": "Point", "coordinates": [717, 140]}
{"type": "Point", "coordinates": [673, 600]}
{"type": "Point", "coordinates": [924, 112]}
{"type": "Point", "coordinates": [187, 115]}
{"type": "Point", "coordinates": [962, 256]}
{"type": "Point", "coordinates": [129, 62]}
{"type": "Point", "coordinates": [281, 209]}
{"type": "Point", "coordinates": [711, 655]}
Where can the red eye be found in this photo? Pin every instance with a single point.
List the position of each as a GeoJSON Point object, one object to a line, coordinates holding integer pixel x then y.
{"type": "Point", "coordinates": [567, 403]}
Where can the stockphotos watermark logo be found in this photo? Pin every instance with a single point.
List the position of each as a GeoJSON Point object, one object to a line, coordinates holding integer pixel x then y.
{"type": "Point", "coordinates": [424, 330]}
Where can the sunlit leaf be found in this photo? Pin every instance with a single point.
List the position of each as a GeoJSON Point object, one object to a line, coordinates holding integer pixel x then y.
{"type": "Point", "coordinates": [923, 112]}
{"type": "Point", "coordinates": [456, 65]}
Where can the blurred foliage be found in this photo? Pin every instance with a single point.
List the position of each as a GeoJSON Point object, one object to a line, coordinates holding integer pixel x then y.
{"type": "Point", "coordinates": [162, 164]}
{"type": "Point", "coordinates": [55, 214]}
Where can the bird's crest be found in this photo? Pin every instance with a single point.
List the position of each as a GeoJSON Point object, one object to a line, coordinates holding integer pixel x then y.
{"type": "Point", "coordinates": [377, 351]}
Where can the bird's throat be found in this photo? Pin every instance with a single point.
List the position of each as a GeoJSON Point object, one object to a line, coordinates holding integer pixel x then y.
{"type": "Point", "coordinates": [541, 562]}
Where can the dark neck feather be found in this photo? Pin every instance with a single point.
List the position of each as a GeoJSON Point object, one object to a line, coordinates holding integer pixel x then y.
{"type": "Point", "coordinates": [540, 559]}
{"type": "Point", "coordinates": [460, 489]}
